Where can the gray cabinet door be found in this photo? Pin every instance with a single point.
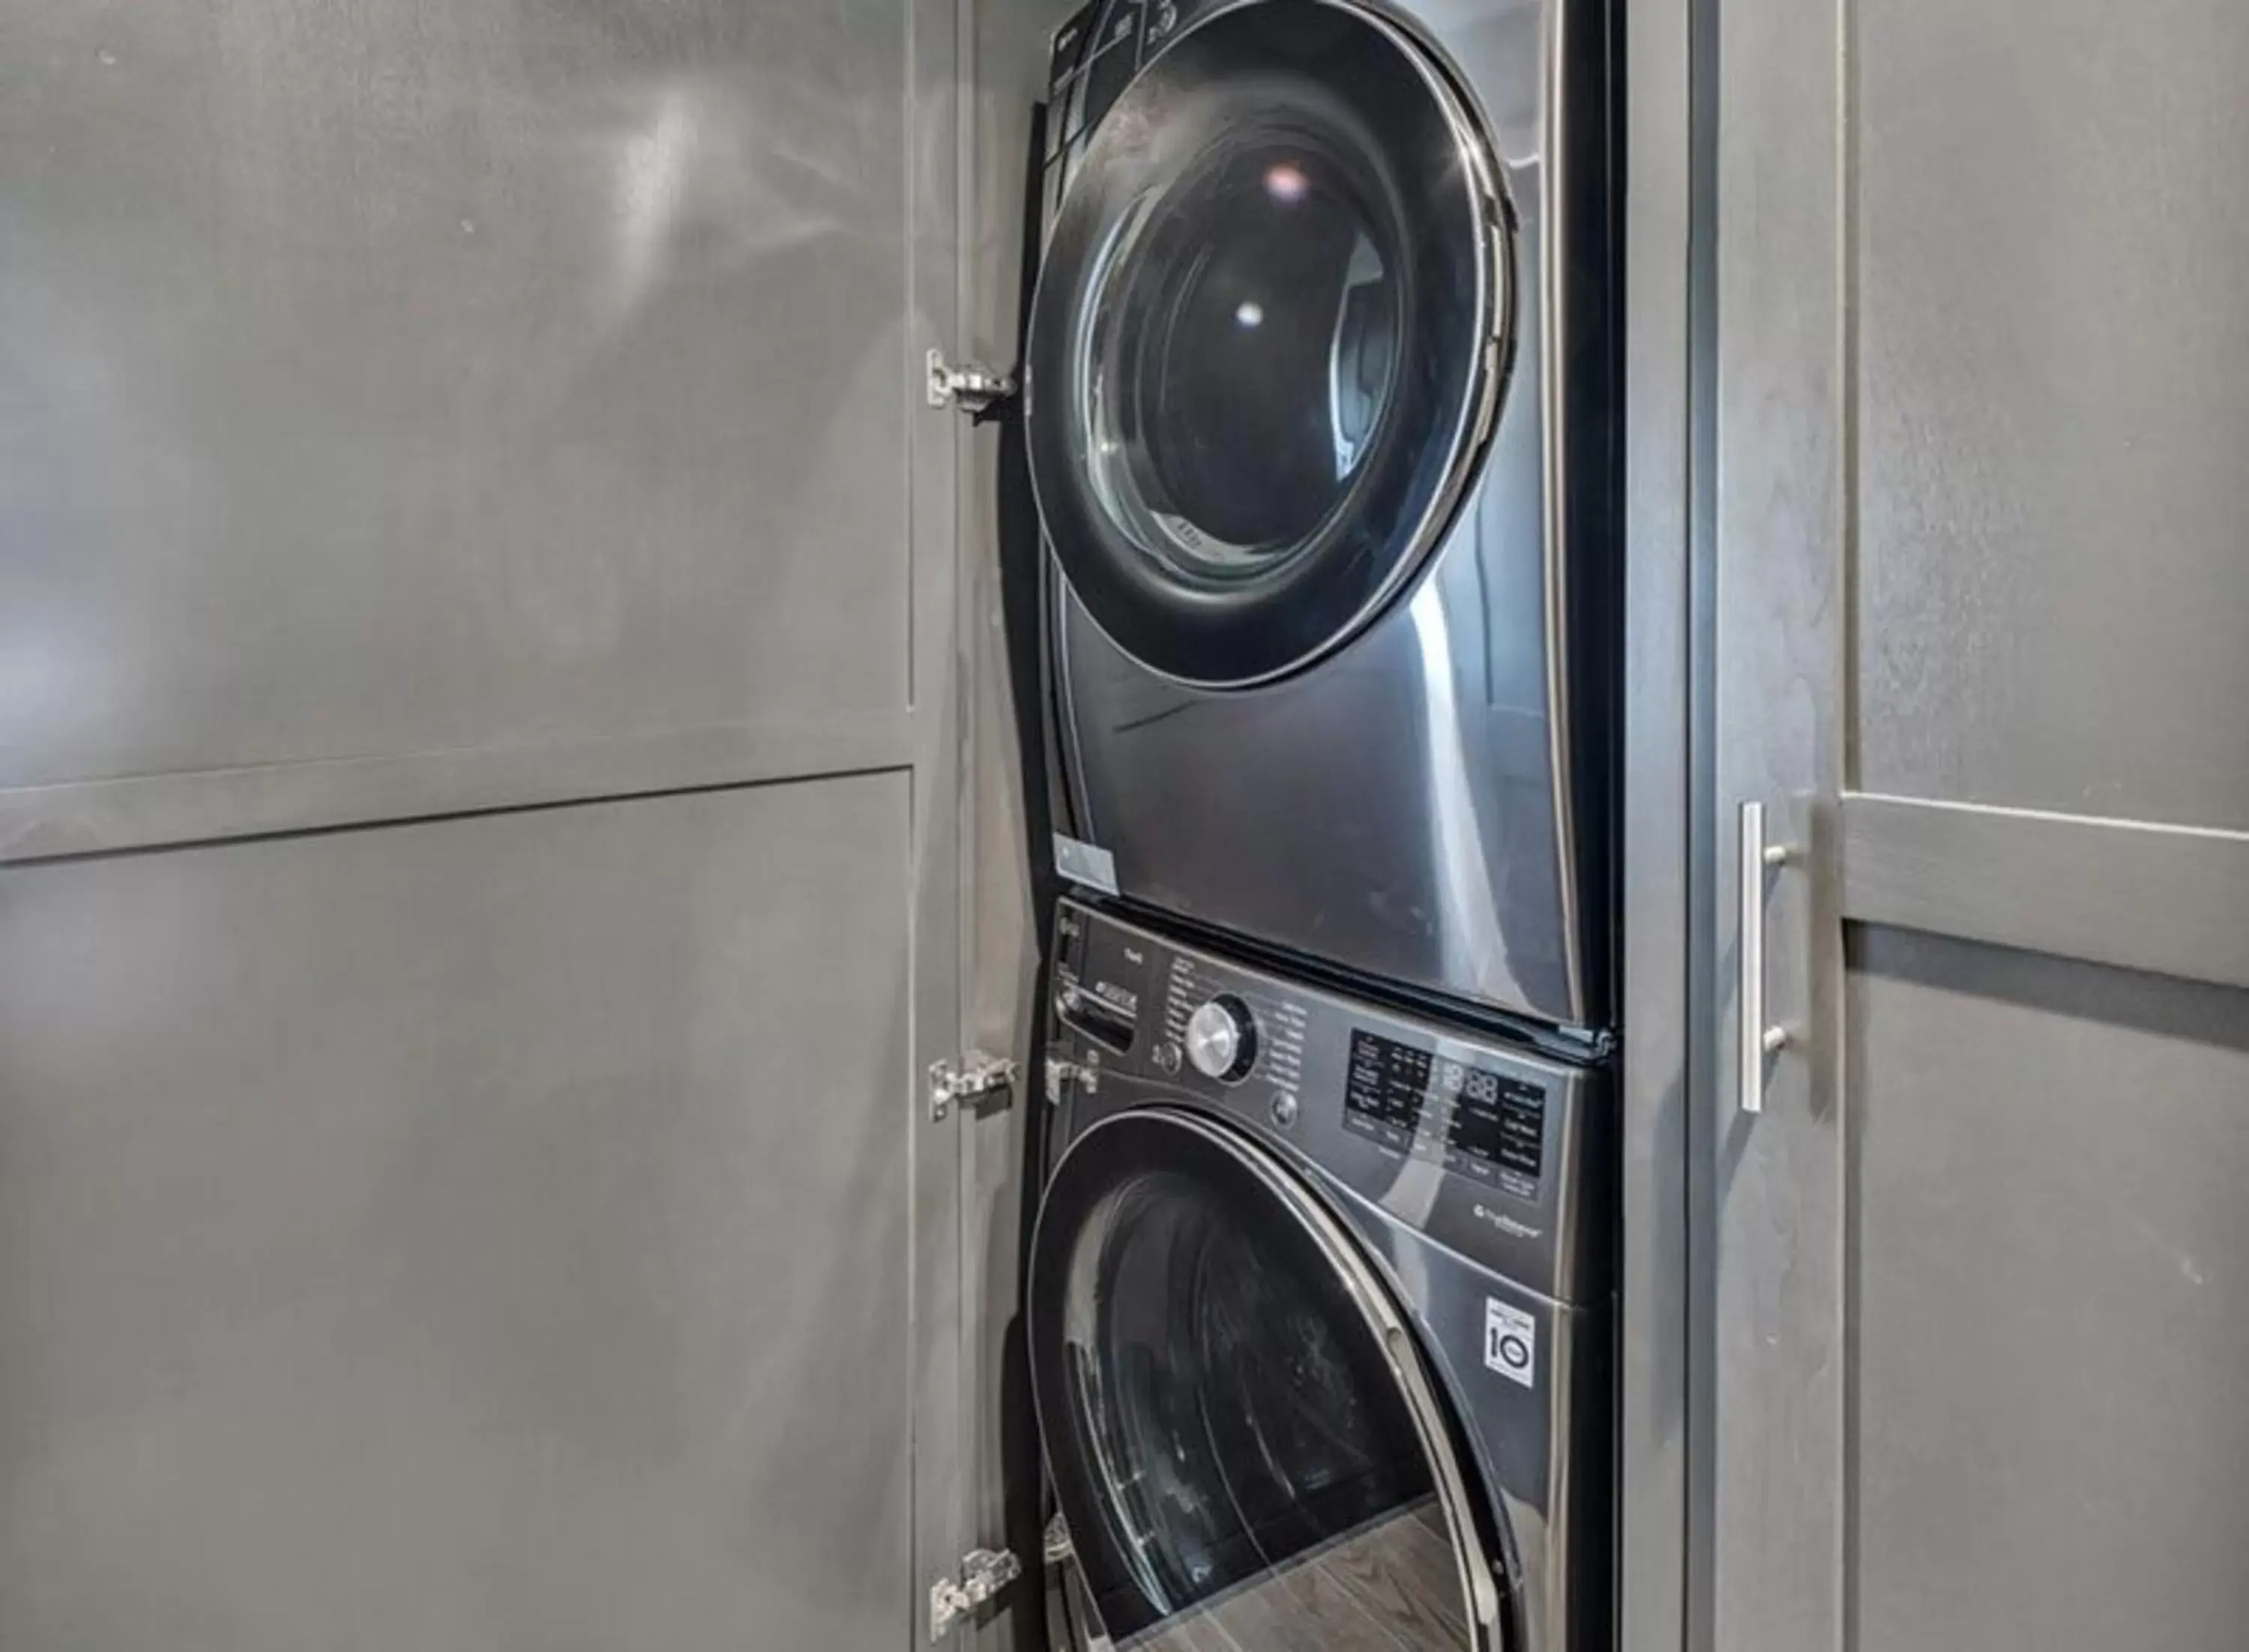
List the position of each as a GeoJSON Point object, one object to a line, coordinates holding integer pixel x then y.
{"type": "Point", "coordinates": [481, 825]}
{"type": "Point", "coordinates": [1978, 1305]}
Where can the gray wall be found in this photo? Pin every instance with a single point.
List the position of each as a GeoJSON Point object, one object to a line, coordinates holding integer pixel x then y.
{"type": "Point", "coordinates": [479, 796]}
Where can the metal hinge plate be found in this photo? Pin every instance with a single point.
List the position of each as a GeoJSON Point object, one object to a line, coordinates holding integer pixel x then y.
{"type": "Point", "coordinates": [974, 1077]}
{"type": "Point", "coordinates": [971, 386]}
{"type": "Point", "coordinates": [1062, 1074]}
{"type": "Point", "coordinates": [984, 1573]}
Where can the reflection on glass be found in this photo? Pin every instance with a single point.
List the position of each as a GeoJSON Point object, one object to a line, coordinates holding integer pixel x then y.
{"type": "Point", "coordinates": [1358, 369]}
{"type": "Point", "coordinates": [1286, 184]}
{"type": "Point", "coordinates": [1253, 1458]}
{"type": "Point", "coordinates": [1243, 350]}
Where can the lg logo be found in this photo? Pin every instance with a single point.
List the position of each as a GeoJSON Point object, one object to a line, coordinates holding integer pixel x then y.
{"type": "Point", "coordinates": [1511, 1342]}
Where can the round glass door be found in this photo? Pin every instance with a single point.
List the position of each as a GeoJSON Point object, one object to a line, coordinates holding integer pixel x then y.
{"type": "Point", "coordinates": [1262, 334]}
{"type": "Point", "coordinates": [1241, 1447]}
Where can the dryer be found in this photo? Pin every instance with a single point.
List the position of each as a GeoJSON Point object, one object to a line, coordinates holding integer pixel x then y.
{"type": "Point", "coordinates": [1319, 1317]}
{"type": "Point", "coordinates": [1320, 386]}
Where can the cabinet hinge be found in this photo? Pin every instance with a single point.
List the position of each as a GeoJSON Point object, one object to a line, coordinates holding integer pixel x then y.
{"type": "Point", "coordinates": [1062, 1074]}
{"type": "Point", "coordinates": [974, 1078]}
{"type": "Point", "coordinates": [984, 1573]}
{"type": "Point", "coordinates": [970, 387]}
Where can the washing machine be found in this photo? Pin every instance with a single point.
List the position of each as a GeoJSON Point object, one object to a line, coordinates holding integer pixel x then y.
{"type": "Point", "coordinates": [1319, 1317]}
{"type": "Point", "coordinates": [1320, 401]}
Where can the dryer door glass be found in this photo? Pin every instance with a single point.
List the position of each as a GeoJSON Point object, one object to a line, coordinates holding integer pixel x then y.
{"type": "Point", "coordinates": [1236, 1451]}
{"type": "Point", "coordinates": [1264, 329]}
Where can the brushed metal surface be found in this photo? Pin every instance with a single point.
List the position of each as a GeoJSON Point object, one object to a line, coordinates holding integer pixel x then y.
{"type": "Point", "coordinates": [2054, 375]}
{"type": "Point", "coordinates": [1405, 808]}
{"type": "Point", "coordinates": [2050, 1292]}
{"type": "Point", "coordinates": [480, 1233]}
{"type": "Point", "coordinates": [1757, 1040]}
{"type": "Point", "coordinates": [2172, 899]}
{"type": "Point", "coordinates": [1446, 1246]}
{"type": "Point", "coordinates": [1556, 1239]}
{"type": "Point", "coordinates": [1301, 815]}
{"type": "Point", "coordinates": [425, 375]}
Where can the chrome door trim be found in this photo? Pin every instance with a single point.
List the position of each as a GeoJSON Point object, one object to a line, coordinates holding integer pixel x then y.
{"type": "Point", "coordinates": [1553, 336]}
{"type": "Point", "coordinates": [1478, 415]}
{"type": "Point", "coordinates": [1394, 1333]}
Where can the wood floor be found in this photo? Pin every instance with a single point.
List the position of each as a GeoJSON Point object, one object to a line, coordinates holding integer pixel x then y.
{"type": "Point", "coordinates": [1392, 1587]}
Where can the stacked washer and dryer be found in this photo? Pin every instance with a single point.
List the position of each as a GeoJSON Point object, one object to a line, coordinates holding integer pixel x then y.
{"type": "Point", "coordinates": [1320, 406]}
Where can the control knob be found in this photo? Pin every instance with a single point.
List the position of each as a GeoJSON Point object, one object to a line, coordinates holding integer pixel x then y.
{"type": "Point", "coordinates": [1222, 1040]}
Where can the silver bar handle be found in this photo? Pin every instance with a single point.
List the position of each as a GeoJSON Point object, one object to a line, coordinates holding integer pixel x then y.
{"type": "Point", "coordinates": [1759, 1040]}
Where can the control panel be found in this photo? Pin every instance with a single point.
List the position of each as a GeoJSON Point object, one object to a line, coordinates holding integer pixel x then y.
{"type": "Point", "coordinates": [1093, 57]}
{"type": "Point", "coordinates": [1486, 1125]}
{"type": "Point", "coordinates": [1104, 45]}
{"type": "Point", "coordinates": [1498, 1151]}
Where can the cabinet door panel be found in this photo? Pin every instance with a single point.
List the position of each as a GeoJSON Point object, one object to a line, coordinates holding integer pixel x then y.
{"type": "Point", "coordinates": [2055, 366]}
{"type": "Point", "coordinates": [2052, 1301]}
{"type": "Point", "coordinates": [489, 1233]}
{"type": "Point", "coordinates": [442, 374]}
{"type": "Point", "coordinates": [1972, 562]}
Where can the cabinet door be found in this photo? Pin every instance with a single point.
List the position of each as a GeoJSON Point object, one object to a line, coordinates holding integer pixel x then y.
{"type": "Point", "coordinates": [480, 857]}
{"type": "Point", "coordinates": [1978, 1308]}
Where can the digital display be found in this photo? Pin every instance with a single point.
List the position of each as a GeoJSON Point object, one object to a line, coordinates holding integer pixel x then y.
{"type": "Point", "coordinates": [1488, 1127]}
{"type": "Point", "coordinates": [1387, 1084]}
{"type": "Point", "coordinates": [1498, 1121]}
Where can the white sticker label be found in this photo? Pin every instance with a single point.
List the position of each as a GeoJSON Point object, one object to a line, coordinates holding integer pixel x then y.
{"type": "Point", "coordinates": [1085, 863]}
{"type": "Point", "coordinates": [1511, 1342]}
